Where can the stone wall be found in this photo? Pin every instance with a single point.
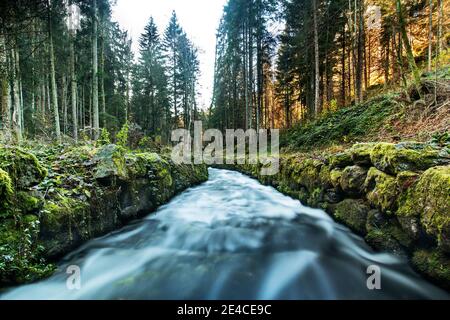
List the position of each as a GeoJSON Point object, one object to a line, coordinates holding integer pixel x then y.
{"type": "Point", "coordinates": [397, 196]}
{"type": "Point", "coordinates": [50, 207]}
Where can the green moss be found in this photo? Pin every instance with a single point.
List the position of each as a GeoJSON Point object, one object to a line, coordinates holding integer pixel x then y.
{"type": "Point", "coordinates": [340, 160]}
{"type": "Point", "coordinates": [6, 193]}
{"type": "Point", "coordinates": [429, 199]}
{"type": "Point", "coordinates": [350, 123]}
{"type": "Point", "coordinates": [325, 177]}
{"type": "Point", "coordinates": [335, 177]}
{"type": "Point", "coordinates": [28, 203]}
{"type": "Point", "coordinates": [360, 153]}
{"type": "Point", "coordinates": [353, 213]}
{"type": "Point", "coordinates": [382, 240]}
{"type": "Point", "coordinates": [406, 179]}
{"type": "Point", "coordinates": [20, 260]}
{"type": "Point", "coordinates": [382, 191]}
{"type": "Point", "coordinates": [23, 168]}
{"type": "Point", "coordinates": [110, 163]}
{"type": "Point", "coordinates": [434, 265]}
{"type": "Point", "coordinates": [352, 180]}
{"type": "Point", "coordinates": [315, 198]}
{"type": "Point", "coordinates": [63, 211]}
{"type": "Point", "coordinates": [392, 159]}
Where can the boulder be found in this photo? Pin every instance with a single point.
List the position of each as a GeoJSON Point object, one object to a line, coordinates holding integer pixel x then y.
{"type": "Point", "coordinates": [340, 160]}
{"type": "Point", "coordinates": [360, 153]}
{"type": "Point", "coordinates": [353, 213]}
{"type": "Point", "coordinates": [6, 193]}
{"type": "Point", "coordinates": [352, 180]}
{"type": "Point", "coordinates": [429, 201]}
{"type": "Point", "coordinates": [393, 159]}
{"type": "Point", "coordinates": [23, 168]}
{"type": "Point", "coordinates": [110, 164]}
{"type": "Point", "coordinates": [381, 189]}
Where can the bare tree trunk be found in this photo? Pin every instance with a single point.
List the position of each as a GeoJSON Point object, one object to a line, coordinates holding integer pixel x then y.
{"type": "Point", "coordinates": [95, 112]}
{"type": "Point", "coordinates": [53, 76]}
{"type": "Point", "coordinates": [73, 83]}
{"type": "Point", "coordinates": [317, 108]}
{"type": "Point", "coordinates": [360, 53]}
{"type": "Point", "coordinates": [102, 74]}
{"type": "Point", "coordinates": [407, 45]}
{"type": "Point", "coordinates": [440, 23]}
{"type": "Point", "coordinates": [5, 91]}
{"type": "Point", "coordinates": [430, 35]}
{"type": "Point", "coordinates": [16, 116]}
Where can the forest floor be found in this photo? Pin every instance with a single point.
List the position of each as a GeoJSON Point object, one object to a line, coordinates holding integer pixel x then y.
{"type": "Point", "coordinates": [388, 116]}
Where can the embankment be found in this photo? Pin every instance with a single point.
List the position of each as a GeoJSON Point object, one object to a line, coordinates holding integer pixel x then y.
{"type": "Point", "coordinates": [397, 196]}
{"type": "Point", "coordinates": [50, 206]}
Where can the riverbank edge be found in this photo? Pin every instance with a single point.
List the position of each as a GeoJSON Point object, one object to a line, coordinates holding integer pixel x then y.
{"type": "Point", "coordinates": [52, 205]}
{"type": "Point", "coordinates": [396, 196]}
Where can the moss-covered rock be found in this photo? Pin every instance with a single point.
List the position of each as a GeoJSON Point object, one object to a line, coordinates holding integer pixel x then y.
{"type": "Point", "coordinates": [406, 179]}
{"type": "Point", "coordinates": [325, 177]}
{"type": "Point", "coordinates": [335, 178]}
{"type": "Point", "coordinates": [23, 168]}
{"type": "Point", "coordinates": [110, 164]}
{"type": "Point", "coordinates": [429, 202]}
{"type": "Point", "coordinates": [6, 193]}
{"type": "Point", "coordinates": [29, 203]}
{"type": "Point", "coordinates": [360, 153]}
{"type": "Point", "coordinates": [434, 264]}
{"type": "Point", "coordinates": [64, 224]}
{"type": "Point", "coordinates": [353, 213]}
{"type": "Point", "coordinates": [381, 189]}
{"type": "Point", "coordinates": [20, 253]}
{"type": "Point", "coordinates": [382, 240]}
{"type": "Point", "coordinates": [340, 160]}
{"type": "Point", "coordinates": [352, 180]}
{"type": "Point", "coordinates": [392, 159]}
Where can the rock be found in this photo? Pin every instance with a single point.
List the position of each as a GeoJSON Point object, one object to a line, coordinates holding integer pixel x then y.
{"type": "Point", "coordinates": [429, 202]}
{"type": "Point", "coordinates": [381, 240]}
{"type": "Point", "coordinates": [434, 264]}
{"type": "Point", "coordinates": [29, 203]}
{"type": "Point", "coordinates": [335, 177]}
{"type": "Point", "coordinates": [305, 173]}
{"type": "Point", "coordinates": [352, 180]}
{"type": "Point", "coordinates": [406, 179]}
{"type": "Point", "coordinates": [381, 189]}
{"type": "Point", "coordinates": [340, 160]}
{"type": "Point", "coordinates": [6, 193]}
{"type": "Point", "coordinates": [360, 154]}
{"type": "Point", "coordinates": [325, 177]}
{"type": "Point", "coordinates": [110, 164]}
{"type": "Point", "coordinates": [23, 168]}
{"type": "Point", "coordinates": [393, 159]}
{"type": "Point", "coordinates": [375, 220]}
{"type": "Point", "coordinates": [332, 196]}
{"type": "Point", "coordinates": [65, 223]}
{"type": "Point", "coordinates": [353, 213]}
{"type": "Point", "coordinates": [411, 225]}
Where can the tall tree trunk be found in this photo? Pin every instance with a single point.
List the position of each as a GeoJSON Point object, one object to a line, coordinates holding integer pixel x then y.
{"type": "Point", "coordinates": [441, 43]}
{"type": "Point", "coordinates": [430, 35]}
{"type": "Point", "coordinates": [73, 84]}
{"type": "Point", "coordinates": [53, 76]}
{"type": "Point", "coordinates": [16, 116]}
{"type": "Point", "coordinates": [360, 52]}
{"type": "Point", "coordinates": [407, 45]}
{"type": "Point", "coordinates": [95, 113]}
{"type": "Point", "coordinates": [5, 91]}
{"type": "Point", "coordinates": [102, 73]}
{"type": "Point", "coordinates": [316, 60]}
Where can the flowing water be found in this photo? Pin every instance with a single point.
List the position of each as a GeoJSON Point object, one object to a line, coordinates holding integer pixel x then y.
{"type": "Point", "coordinates": [231, 238]}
